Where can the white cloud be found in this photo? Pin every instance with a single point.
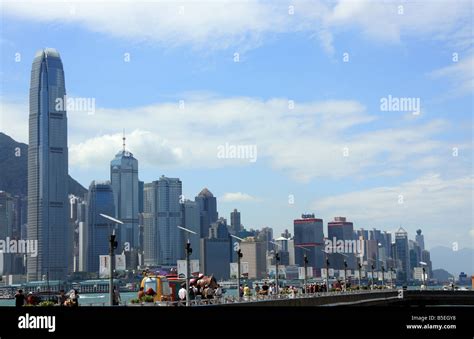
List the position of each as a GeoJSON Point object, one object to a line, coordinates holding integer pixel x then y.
{"type": "Point", "coordinates": [238, 197]}
{"type": "Point", "coordinates": [98, 151]}
{"type": "Point", "coordinates": [245, 24]}
{"type": "Point", "coordinates": [306, 142]}
{"type": "Point", "coordinates": [443, 205]}
{"type": "Point", "coordinates": [460, 73]}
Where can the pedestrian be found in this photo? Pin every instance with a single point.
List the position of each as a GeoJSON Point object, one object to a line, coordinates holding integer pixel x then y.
{"type": "Point", "coordinates": [241, 291]}
{"type": "Point", "coordinates": [141, 293]}
{"type": "Point", "coordinates": [247, 292]}
{"type": "Point", "coordinates": [19, 298]}
{"type": "Point", "coordinates": [257, 289]}
{"type": "Point", "coordinates": [116, 297]}
{"type": "Point", "coordinates": [182, 293]}
{"type": "Point", "coordinates": [61, 298]}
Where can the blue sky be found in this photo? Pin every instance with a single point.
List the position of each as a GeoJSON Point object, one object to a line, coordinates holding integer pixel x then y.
{"type": "Point", "coordinates": [185, 51]}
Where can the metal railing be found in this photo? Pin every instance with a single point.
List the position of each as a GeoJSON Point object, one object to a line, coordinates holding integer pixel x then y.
{"type": "Point", "coordinates": [248, 299]}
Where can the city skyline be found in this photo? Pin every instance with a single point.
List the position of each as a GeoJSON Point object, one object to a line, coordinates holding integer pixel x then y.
{"type": "Point", "coordinates": [393, 156]}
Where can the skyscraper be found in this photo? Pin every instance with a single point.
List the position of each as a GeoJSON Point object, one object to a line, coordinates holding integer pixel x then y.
{"type": "Point", "coordinates": [6, 230]}
{"type": "Point", "coordinates": [163, 240]}
{"type": "Point", "coordinates": [340, 229]}
{"type": "Point", "coordinates": [124, 180]}
{"type": "Point", "coordinates": [254, 252]}
{"type": "Point", "coordinates": [420, 239]}
{"type": "Point", "coordinates": [48, 168]}
{"type": "Point", "coordinates": [192, 222]}
{"type": "Point", "coordinates": [99, 200]}
{"type": "Point", "coordinates": [235, 224]}
{"type": "Point", "coordinates": [308, 233]}
{"type": "Point", "coordinates": [402, 254]}
{"type": "Point", "coordinates": [208, 210]}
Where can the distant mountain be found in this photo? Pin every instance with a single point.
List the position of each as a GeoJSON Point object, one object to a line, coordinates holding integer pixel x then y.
{"type": "Point", "coordinates": [14, 168]}
{"type": "Point", "coordinates": [454, 262]}
{"type": "Point", "coordinates": [442, 275]}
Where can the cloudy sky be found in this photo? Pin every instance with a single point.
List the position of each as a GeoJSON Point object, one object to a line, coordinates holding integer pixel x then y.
{"type": "Point", "coordinates": [302, 81]}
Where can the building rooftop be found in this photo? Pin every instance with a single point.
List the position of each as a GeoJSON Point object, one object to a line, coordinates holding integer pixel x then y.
{"type": "Point", "coordinates": [205, 193]}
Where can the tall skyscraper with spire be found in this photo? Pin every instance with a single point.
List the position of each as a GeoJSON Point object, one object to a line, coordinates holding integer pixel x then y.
{"type": "Point", "coordinates": [47, 168]}
{"type": "Point", "coordinates": [124, 180]}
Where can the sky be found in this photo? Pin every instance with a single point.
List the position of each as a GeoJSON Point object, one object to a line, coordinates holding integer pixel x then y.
{"type": "Point", "coordinates": [310, 87]}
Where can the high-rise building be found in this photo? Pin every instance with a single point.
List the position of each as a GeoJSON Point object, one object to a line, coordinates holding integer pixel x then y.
{"type": "Point", "coordinates": [193, 223]}
{"type": "Point", "coordinates": [6, 230]}
{"type": "Point", "coordinates": [426, 258]}
{"type": "Point", "coordinates": [219, 229]}
{"type": "Point", "coordinates": [215, 258]}
{"type": "Point", "coordinates": [207, 209]}
{"type": "Point", "coordinates": [254, 252]}
{"type": "Point", "coordinates": [343, 230]}
{"type": "Point", "coordinates": [402, 254]}
{"type": "Point", "coordinates": [77, 219]}
{"type": "Point", "coordinates": [266, 235]}
{"type": "Point", "coordinates": [124, 180]}
{"type": "Point", "coordinates": [308, 233]}
{"type": "Point", "coordinates": [163, 240]}
{"type": "Point", "coordinates": [48, 204]}
{"type": "Point", "coordinates": [100, 200]}
{"type": "Point", "coordinates": [420, 239]}
{"type": "Point", "coordinates": [235, 224]}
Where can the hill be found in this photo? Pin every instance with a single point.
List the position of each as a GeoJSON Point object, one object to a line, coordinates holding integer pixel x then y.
{"type": "Point", "coordinates": [14, 168]}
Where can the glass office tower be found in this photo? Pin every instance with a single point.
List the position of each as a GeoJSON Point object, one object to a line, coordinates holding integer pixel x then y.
{"type": "Point", "coordinates": [47, 169]}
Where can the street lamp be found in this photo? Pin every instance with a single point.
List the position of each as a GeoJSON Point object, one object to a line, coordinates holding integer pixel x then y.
{"type": "Point", "coordinates": [188, 251]}
{"type": "Point", "coordinates": [305, 264]}
{"type": "Point", "coordinates": [277, 261]}
{"type": "Point", "coordinates": [383, 276]}
{"type": "Point", "coordinates": [327, 271]}
{"type": "Point", "coordinates": [112, 246]}
{"type": "Point", "coordinates": [239, 256]}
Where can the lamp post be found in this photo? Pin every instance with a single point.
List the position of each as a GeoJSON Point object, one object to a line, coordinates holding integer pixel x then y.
{"type": "Point", "coordinates": [305, 261]}
{"type": "Point", "coordinates": [305, 265]}
{"type": "Point", "coordinates": [383, 276]}
{"type": "Point", "coordinates": [277, 262]}
{"type": "Point", "coordinates": [239, 256]}
{"type": "Point", "coordinates": [327, 271]}
{"type": "Point", "coordinates": [345, 274]}
{"type": "Point", "coordinates": [360, 274]}
{"type": "Point", "coordinates": [112, 246]}
{"type": "Point", "coordinates": [188, 251]}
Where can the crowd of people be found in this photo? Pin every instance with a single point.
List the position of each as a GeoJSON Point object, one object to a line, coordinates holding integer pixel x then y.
{"type": "Point", "coordinates": [70, 299]}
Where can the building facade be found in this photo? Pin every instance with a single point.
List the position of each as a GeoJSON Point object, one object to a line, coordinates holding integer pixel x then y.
{"type": "Point", "coordinates": [97, 233]}
{"type": "Point", "coordinates": [207, 210]}
{"type": "Point", "coordinates": [163, 240]}
{"type": "Point", "coordinates": [308, 233]}
{"type": "Point", "coordinates": [124, 181]}
{"type": "Point", "coordinates": [48, 204]}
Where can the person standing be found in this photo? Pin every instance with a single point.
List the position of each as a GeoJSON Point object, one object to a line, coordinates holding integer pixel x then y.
{"type": "Point", "coordinates": [61, 298]}
{"type": "Point", "coordinates": [19, 298]}
{"type": "Point", "coordinates": [117, 298]}
{"type": "Point", "coordinates": [182, 293]}
{"type": "Point", "coordinates": [257, 289]}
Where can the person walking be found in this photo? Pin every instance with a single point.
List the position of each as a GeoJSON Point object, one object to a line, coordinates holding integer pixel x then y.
{"type": "Point", "coordinates": [19, 298]}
